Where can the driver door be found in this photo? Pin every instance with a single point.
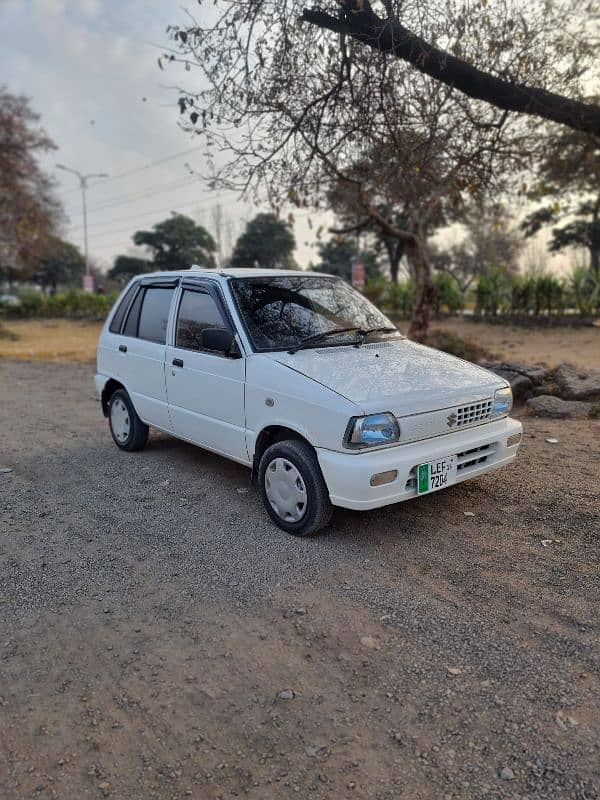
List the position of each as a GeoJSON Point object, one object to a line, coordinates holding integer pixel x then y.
{"type": "Point", "coordinates": [205, 389]}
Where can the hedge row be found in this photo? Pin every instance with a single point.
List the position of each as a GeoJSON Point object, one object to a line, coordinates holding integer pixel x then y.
{"type": "Point", "coordinates": [497, 294]}
{"type": "Point", "coordinates": [74, 304]}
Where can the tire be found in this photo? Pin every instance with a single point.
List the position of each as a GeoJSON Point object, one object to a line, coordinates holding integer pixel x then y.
{"type": "Point", "coordinates": [127, 429]}
{"type": "Point", "coordinates": [292, 488]}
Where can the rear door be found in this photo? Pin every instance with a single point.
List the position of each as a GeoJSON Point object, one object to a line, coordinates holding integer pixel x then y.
{"type": "Point", "coordinates": [205, 388]}
{"type": "Point", "coordinates": [142, 349]}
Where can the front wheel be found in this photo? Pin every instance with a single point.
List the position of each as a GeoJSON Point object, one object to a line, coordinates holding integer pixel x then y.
{"type": "Point", "coordinates": [292, 488]}
{"type": "Point", "coordinates": [127, 429]}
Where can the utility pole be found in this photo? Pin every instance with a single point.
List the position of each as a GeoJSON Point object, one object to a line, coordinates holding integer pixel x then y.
{"type": "Point", "coordinates": [83, 183]}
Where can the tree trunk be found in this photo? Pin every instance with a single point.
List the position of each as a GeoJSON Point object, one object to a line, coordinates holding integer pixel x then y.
{"type": "Point", "coordinates": [390, 36]}
{"type": "Point", "coordinates": [424, 288]}
{"type": "Point", "coordinates": [595, 241]}
{"type": "Point", "coordinates": [395, 251]}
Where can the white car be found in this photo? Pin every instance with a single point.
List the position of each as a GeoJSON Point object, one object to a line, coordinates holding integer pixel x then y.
{"type": "Point", "coordinates": [301, 378]}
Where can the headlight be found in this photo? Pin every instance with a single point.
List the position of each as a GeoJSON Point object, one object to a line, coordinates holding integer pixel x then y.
{"type": "Point", "coordinates": [503, 400]}
{"type": "Point", "coordinates": [376, 429]}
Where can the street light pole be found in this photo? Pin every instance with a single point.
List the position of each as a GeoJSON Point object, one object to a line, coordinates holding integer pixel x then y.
{"type": "Point", "coordinates": [83, 183]}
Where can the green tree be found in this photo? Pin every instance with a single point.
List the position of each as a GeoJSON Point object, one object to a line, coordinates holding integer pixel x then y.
{"type": "Point", "coordinates": [125, 267]}
{"type": "Point", "coordinates": [61, 265]}
{"type": "Point", "coordinates": [177, 243]}
{"type": "Point", "coordinates": [569, 187]}
{"type": "Point", "coordinates": [267, 242]}
{"type": "Point", "coordinates": [339, 253]}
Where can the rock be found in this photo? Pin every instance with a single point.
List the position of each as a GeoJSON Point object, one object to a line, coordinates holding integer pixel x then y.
{"type": "Point", "coordinates": [578, 384]}
{"type": "Point", "coordinates": [537, 373]}
{"type": "Point", "coordinates": [522, 377]}
{"type": "Point", "coordinates": [287, 694]}
{"type": "Point", "coordinates": [454, 671]}
{"type": "Point", "coordinates": [547, 388]}
{"type": "Point", "coordinates": [564, 721]}
{"type": "Point", "coordinates": [555, 408]}
{"type": "Point", "coordinates": [521, 385]}
{"type": "Point", "coordinates": [507, 774]}
{"type": "Point", "coordinates": [314, 751]}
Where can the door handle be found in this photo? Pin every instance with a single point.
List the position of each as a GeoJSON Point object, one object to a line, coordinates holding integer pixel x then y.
{"type": "Point", "coordinates": [122, 348]}
{"type": "Point", "coordinates": [177, 362]}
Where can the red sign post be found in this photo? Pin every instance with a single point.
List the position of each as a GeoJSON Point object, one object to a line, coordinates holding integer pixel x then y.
{"type": "Point", "coordinates": [358, 275]}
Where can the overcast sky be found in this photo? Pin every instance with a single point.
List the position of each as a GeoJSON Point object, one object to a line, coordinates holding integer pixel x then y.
{"type": "Point", "coordinates": [90, 69]}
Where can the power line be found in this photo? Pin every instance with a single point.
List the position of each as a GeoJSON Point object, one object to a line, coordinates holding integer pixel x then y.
{"type": "Point", "coordinates": [150, 165]}
{"type": "Point", "coordinates": [162, 210]}
{"type": "Point", "coordinates": [139, 194]}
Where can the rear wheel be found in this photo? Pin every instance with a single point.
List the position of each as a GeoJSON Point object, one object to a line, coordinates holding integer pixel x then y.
{"type": "Point", "coordinates": [127, 429]}
{"type": "Point", "coordinates": [292, 488]}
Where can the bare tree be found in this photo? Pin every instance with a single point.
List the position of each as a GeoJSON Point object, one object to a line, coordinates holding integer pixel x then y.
{"type": "Point", "coordinates": [454, 67]}
{"type": "Point", "coordinates": [29, 211]}
{"type": "Point", "coordinates": [491, 243]}
{"type": "Point", "coordinates": [296, 110]}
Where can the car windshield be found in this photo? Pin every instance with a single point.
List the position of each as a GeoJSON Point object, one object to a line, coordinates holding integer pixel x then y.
{"type": "Point", "coordinates": [281, 312]}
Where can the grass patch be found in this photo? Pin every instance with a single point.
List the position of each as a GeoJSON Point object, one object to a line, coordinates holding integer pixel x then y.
{"type": "Point", "coordinates": [7, 334]}
{"type": "Point", "coordinates": [50, 340]}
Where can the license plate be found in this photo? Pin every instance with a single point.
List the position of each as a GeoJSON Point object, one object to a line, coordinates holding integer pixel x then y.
{"type": "Point", "coordinates": [436, 474]}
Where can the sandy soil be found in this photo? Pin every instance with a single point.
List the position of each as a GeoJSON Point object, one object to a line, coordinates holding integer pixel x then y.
{"type": "Point", "coordinates": [162, 640]}
{"type": "Point", "coordinates": [551, 346]}
{"type": "Point", "coordinates": [68, 340]}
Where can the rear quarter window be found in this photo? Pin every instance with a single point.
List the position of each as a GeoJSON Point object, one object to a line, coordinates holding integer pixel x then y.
{"type": "Point", "coordinates": [117, 320]}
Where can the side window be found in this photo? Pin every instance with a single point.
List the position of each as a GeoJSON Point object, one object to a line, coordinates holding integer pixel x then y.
{"type": "Point", "coordinates": [197, 311]}
{"type": "Point", "coordinates": [117, 320]}
{"type": "Point", "coordinates": [133, 318]}
{"type": "Point", "coordinates": [155, 314]}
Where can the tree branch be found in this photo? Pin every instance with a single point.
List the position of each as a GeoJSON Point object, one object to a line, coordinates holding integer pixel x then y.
{"type": "Point", "coordinates": [390, 36]}
{"type": "Point", "coordinates": [352, 229]}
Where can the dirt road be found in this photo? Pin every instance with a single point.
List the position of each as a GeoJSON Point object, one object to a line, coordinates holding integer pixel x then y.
{"type": "Point", "coordinates": [161, 639]}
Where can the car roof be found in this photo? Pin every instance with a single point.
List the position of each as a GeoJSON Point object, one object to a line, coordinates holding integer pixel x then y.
{"type": "Point", "coordinates": [237, 272]}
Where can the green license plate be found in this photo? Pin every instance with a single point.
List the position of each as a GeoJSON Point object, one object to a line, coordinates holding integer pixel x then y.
{"type": "Point", "coordinates": [435, 475]}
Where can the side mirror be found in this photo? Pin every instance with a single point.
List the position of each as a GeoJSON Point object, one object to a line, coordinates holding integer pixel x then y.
{"type": "Point", "coordinates": [220, 340]}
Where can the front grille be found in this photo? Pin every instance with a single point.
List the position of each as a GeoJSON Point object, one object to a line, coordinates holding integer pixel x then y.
{"type": "Point", "coordinates": [476, 412]}
{"type": "Point", "coordinates": [474, 457]}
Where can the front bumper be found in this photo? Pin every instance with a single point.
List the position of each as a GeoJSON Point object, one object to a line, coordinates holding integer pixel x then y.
{"type": "Point", "coordinates": [479, 450]}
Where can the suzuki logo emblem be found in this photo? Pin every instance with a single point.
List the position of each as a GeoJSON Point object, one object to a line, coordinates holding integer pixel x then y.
{"type": "Point", "coordinates": [451, 420]}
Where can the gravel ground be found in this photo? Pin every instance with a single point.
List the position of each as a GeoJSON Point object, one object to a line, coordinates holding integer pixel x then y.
{"type": "Point", "coordinates": [161, 639]}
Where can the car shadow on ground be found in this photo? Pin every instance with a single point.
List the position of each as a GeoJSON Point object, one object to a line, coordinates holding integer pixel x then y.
{"type": "Point", "coordinates": [416, 517]}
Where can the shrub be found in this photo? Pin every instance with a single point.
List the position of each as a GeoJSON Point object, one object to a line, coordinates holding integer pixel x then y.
{"type": "Point", "coordinates": [456, 346]}
{"type": "Point", "coordinates": [74, 304]}
{"type": "Point", "coordinates": [448, 296]}
{"type": "Point", "coordinates": [493, 292]}
{"type": "Point", "coordinates": [585, 290]}
{"type": "Point", "coordinates": [375, 289]}
{"type": "Point", "coordinates": [399, 298]}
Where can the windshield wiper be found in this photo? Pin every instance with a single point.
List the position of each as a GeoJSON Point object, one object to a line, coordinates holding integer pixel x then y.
{"type": "Point", "coordinates": [320, 337]}
{"type": "Point", "coordinates": [362, 335]}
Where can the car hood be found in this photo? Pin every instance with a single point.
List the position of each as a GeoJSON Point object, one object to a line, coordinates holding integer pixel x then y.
{"type": "Point", "coordinates": [399, 376]}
